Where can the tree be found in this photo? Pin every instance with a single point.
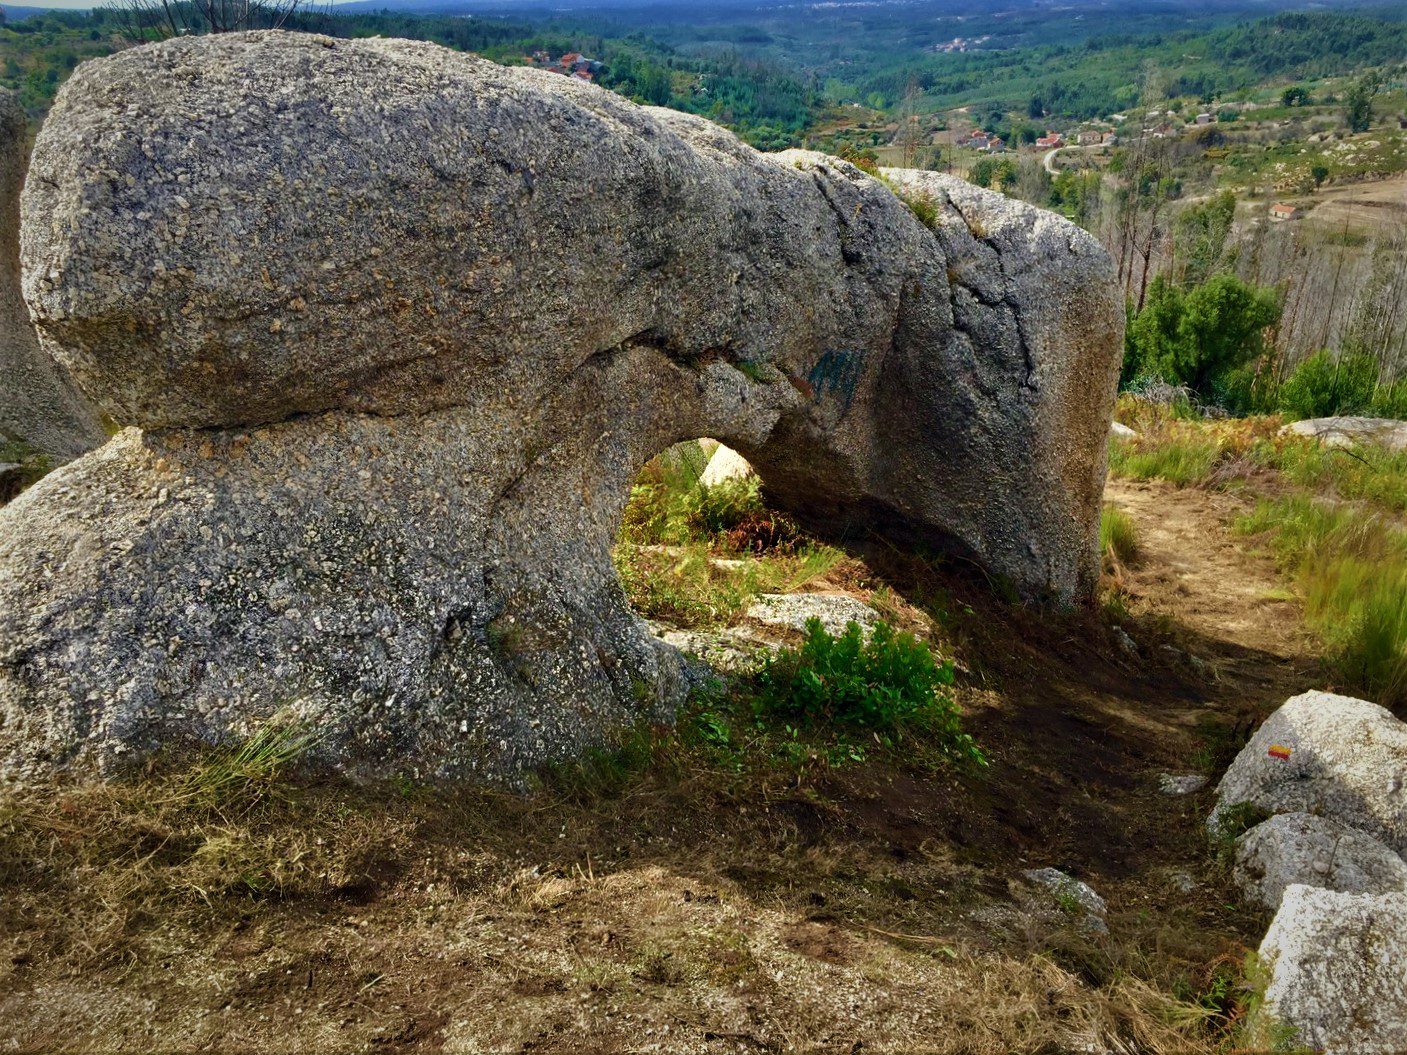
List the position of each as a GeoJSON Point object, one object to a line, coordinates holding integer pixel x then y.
{"type": "Point", "coordinates": [910, 135]}
{"type": "Point", "coordinates": [1200, 337]}
{"type": "Point", "coordinates": [1200, 236]}
{"type": "Point", "coordinates": [1319, 173]}
{"type": "Point", "coordinates": [996, 173]}
{"type": "Point", "coordinates": [1295, 95]}
{"type": "Point", "coordinates": [1223, 327]}
{"type": "Point", "coordinates": [1358, 105]}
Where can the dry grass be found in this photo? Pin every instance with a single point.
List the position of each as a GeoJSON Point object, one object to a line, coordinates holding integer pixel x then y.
{"type": "Point", "coordinates": [1188, 452]}
{"type": "Point", "coordinates": [342, 917]}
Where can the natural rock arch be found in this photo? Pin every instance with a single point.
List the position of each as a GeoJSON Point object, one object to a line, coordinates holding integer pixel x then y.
{"type": "Point", "coordinates": [396, 327]}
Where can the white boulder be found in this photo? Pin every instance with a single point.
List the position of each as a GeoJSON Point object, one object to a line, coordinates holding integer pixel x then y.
{"type": "Point", "coordinates": [1335, 756]}
{"type": "Point", "coordinates": [1338, 970]}
{"type": "Point", "coordinates": [1122, 433]}
{"type": "Point", "coordinates": [1314, 851]}
{"type": "Point", "coordinates": [1344, 431]}
{"type": "Point", "coordinates": [725, 464]}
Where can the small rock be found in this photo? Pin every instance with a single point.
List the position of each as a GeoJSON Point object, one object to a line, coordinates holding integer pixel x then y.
{"type": "Point", "coordinates": [1122, 433]}
{"type": "Point", "coordinates": [723, 651]}
{"type": "Point", "coordinates": [1182, 881]}
{"type": "Point", "coordinates": [1302, 848]}
{"type": "Point", "coordinates": [1074, 896]}
{"type": "Point", "coordinates": [792, 610]}
{"type": "Point", "coordinates": [1124, 641]}
{"type": "Point", "coordinates": [1336, 970]}
{"type": "Point", "coordinates": [1181, 784]}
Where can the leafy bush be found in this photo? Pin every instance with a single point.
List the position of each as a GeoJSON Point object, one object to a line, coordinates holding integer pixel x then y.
{"type": "Point", "coordinates": [1321, 386]}
{"type": "Point", "coordinates": [886, 682]}
{"type": "Point", "coordinates": [1199, 336]}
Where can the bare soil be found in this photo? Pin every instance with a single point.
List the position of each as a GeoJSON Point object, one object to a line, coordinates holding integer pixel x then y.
{"type": "Point", "coordinates": [691, 908]}
{"type": "Point", "coordinates": [1368, 206]}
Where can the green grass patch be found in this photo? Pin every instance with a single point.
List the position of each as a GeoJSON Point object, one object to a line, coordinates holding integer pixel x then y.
{"type": "Point", "coordinates": [1183, 461]}
{"type": "Point", "coordinates": [696, 556]}
{"type": "Point", "coordinates": [244, 771]}
{"type": "Point", "coordinates": [1367, 471]}
{"type": "Point", "coordinates": [1117, 535]}
{"type": "Point", "coordinates": [1350, 565]}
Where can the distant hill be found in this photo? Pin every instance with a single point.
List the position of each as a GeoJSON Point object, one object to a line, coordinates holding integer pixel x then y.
{"type": "Point", "coordinates": [17, 14]}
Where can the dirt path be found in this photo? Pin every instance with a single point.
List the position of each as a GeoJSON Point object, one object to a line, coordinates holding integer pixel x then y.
{"type": "Point", "coordinates": [1195, 569]}
{"type": "Point", "coordinates": [1233, 603]}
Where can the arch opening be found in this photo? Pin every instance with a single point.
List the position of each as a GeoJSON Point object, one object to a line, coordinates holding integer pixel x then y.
{"type": "Point", "coordinates": [699, 544]}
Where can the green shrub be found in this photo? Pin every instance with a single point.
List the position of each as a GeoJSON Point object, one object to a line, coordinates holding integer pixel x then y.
{"type": "Point", "coordinates": [1390, 401]}
{"type": "Point", "coordinates": [1322, 386]}
{"type": "Point", "coordinates": [886, 682]}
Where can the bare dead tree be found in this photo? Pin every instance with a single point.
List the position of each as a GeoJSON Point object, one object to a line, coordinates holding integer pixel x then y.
{"type": "Point", "coordinates": [146, 20]}
{"type": "Point", "coordinates": [910, 131]}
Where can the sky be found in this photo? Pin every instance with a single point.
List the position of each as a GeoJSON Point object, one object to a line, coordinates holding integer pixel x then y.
{"type": "Point", "coordinates": [83, 5]}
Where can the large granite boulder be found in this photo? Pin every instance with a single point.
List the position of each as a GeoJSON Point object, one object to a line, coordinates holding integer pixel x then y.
{"type": "Point", "coordinates": [1346, 430]}
{"type": "Point", "coordinates": [1336, 756]}
{"type": "Point", "coordinates": [39, 405]}
{"type": "Point", "coordinates": [395, 328]}
{"type": "Point", "coordinates": [1301, 848]}
{"type": "Point", "coordinates": [1336, 971]}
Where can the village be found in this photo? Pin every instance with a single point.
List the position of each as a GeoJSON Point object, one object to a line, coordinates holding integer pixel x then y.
{"type": "Point", "coordinates": [570, 64]}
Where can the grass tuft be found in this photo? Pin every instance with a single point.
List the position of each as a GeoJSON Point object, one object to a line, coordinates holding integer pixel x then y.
{"type": "Point", "coordinates": [1118, 538]}
{"type": "Point", "coordinates": [1350, 565]}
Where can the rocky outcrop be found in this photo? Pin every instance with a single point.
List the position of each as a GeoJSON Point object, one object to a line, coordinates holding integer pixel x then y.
{"type": "Point", "coordinates": [1344, 431]}
{"type": "Point", "coordinates": [1330, 769]}
{"type": "Point", "coordinates": [1331, 755]}
{"type": "Point", "coordinates": [1315, 851]}
{"type": "Point", "coordinates": [1336, 970]}
{"type": "Point", "coordinates": [39, 405]}
{"type": "Point", "coordinates": [395, 329]}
